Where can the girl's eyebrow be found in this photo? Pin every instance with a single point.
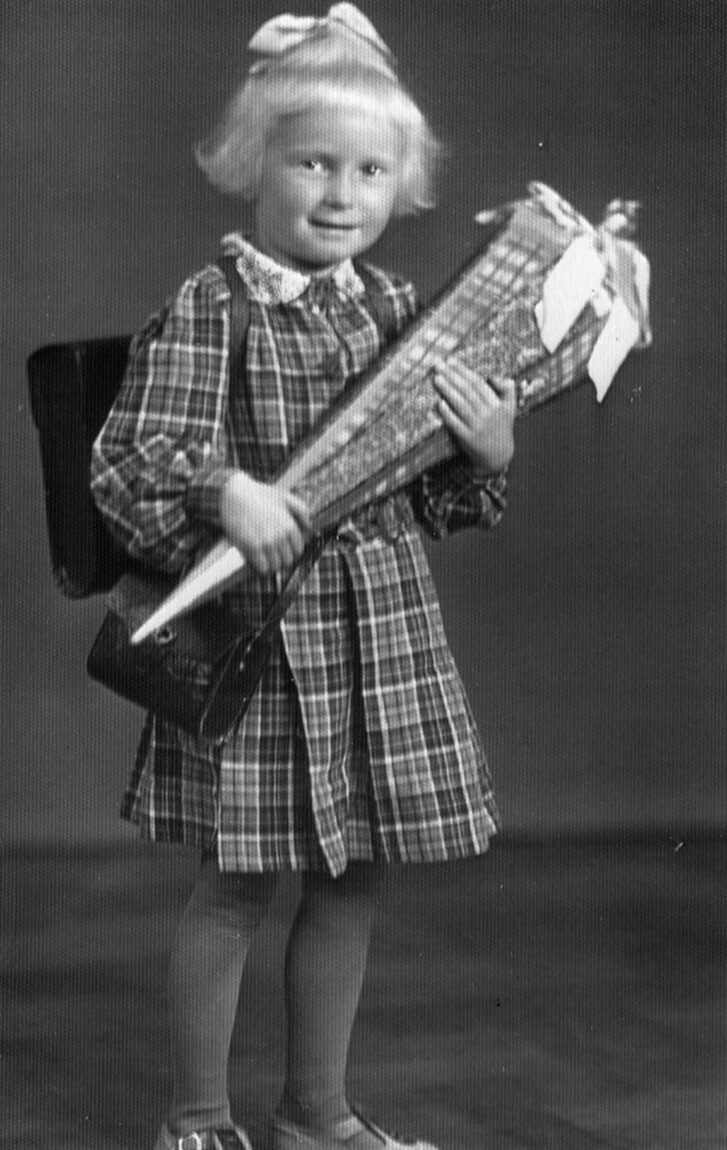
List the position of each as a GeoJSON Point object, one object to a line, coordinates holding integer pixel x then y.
{"type": "Point", "coordinates": [319, 146]}
{"type": "Point", "coordinates": [298, 152]}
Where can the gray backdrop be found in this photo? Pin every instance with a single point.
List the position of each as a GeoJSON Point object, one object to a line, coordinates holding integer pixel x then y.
{"type": "Point", "coordinates": [590, 626]}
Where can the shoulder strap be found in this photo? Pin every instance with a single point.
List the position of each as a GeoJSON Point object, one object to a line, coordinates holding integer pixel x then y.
{"type": "Point", "coordinates": [381, 304]}
{"type": "Point", "coordinates": [239, 314]}
{"type": "Point", "coordinates": [236, 680]}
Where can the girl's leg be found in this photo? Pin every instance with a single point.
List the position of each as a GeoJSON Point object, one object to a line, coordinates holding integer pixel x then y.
{"type": "Point", "coordinates": [324, 970]}
{"type": "Point", "coordinates": [206, 966]}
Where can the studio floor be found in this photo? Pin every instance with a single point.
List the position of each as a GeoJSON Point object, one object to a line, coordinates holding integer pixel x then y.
{"type": "Point", "coordinates": [565, 995]}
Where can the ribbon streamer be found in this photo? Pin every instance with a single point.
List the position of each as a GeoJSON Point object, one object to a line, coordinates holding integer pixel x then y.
{"type": "Point", "coordinates": [574, 282]}
{"type": "Point", "coordinates": [577, 280]}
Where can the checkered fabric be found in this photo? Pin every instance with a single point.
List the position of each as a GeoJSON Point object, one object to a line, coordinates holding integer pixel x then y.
{"type": "Point", "coordinates": [360, 742]}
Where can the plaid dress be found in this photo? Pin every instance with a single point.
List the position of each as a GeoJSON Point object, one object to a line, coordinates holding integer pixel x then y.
{"type": "Point", "coordinates": [359, 743]}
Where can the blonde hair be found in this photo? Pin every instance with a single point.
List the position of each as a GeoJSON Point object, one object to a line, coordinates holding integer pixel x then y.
{"type": "Point", "coordinates": [331, 68]}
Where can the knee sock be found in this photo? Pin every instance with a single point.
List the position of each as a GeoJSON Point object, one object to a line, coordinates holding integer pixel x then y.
{"type": "Point", "coordinates": [324, 970]}
{"type": "Point", "coordinates": [206, 966]}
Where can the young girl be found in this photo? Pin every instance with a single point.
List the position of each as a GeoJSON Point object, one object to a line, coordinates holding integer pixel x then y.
{"type": "Point", "coordinates": [358, 749]}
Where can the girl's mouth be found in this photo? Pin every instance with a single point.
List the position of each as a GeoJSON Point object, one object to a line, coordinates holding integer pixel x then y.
{"type": "Point", "coordinates": [334, 225]}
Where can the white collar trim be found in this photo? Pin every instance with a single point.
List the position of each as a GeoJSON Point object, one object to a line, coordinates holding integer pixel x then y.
{"type": "Point", "coordinates": [269, 282]}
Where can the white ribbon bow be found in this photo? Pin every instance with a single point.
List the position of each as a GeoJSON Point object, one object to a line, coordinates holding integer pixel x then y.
{"type": "Point", "coordinates": [284, 32]}
{"type": "Point", "coordinates": [578, 279]}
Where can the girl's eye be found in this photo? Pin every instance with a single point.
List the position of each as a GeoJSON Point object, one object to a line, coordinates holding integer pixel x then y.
{"type": "Point", "coordinates": [373, 170]}
{"type": "Point", "coordinates": [312, 164]}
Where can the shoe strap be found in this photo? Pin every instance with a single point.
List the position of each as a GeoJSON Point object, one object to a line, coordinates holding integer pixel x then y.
{"type": "Point", "coordinates": [348, 1128]}
{"type": "Point", "coordinates": [393, 1141]}
{"type": "Point", "coordinates": [232, 1139]}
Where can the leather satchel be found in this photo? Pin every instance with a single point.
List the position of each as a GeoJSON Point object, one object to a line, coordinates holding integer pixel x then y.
{"type": "Point", "coordinates": [198, 673]}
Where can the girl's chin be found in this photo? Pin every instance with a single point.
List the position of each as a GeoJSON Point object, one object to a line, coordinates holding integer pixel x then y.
{"type": "Point", "coordinates": [324, 239]}
{"type": "Point", "coordinates": [332, 248]}
{"type": "Point", "coordinates": [326, 248]}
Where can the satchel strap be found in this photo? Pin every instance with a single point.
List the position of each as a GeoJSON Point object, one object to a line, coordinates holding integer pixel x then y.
{"type": "Point", "coordinates": [300, 573]}
{"type": "Point", "coordinates": [238, 678]}
{"type": "Point", "coordinates": [382, 305]}
{"type": "Point", "coordinates": [231, 690]}
{"type": "Point", "coordinates": [239, 324]}
{"type": "Point", "coordinates": [235, 680]}
{"type": "Point", "coordinates": [239, 316]}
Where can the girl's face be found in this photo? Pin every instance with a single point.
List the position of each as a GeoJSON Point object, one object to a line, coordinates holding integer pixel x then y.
{"type": "Point", "coordinates": [329, 180]}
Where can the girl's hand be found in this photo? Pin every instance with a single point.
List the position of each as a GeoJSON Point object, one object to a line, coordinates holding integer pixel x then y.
{"type": "Point", "coordinates": [479, 413]}
{"type": "Point", "coordinates": [268, 526]}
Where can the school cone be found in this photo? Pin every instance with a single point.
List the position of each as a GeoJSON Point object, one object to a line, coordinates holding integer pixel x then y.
{"type": "Point", "coordinates": [221, 567]}
{"type": "Point", "coordinates": [549, 302]}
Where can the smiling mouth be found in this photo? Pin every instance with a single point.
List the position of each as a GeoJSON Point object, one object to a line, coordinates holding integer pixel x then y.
{"type": "Point", "coordinates": [334, 226]}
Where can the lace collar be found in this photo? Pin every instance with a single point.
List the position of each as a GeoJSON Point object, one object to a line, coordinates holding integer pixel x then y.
{"type": "Point", "coordinates": [271, 283]}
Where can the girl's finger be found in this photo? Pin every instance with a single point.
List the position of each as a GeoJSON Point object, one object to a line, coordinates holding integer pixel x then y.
{"type": "Point", "coordinates": [457, 394]}
{"type": "Point", "coordinates": [466, 389]}
{"type": "Point", "coordinates": [462, 372]}
{"type": "Point", "coordinates": [454, 422]}
{"type": "Point", "coordinates": [502, 386]}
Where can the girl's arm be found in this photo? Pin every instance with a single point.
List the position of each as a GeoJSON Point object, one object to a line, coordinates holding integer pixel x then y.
{"type": "Point", "coordinates": [468, 490]}
{"type": "Point", "coordinates": [162, 468]}
{"type": "Point", "coordinates": [162, 458]}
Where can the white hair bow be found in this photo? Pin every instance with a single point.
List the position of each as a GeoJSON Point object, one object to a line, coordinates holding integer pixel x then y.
{"type": "Point", "coordinates": [284, 32]}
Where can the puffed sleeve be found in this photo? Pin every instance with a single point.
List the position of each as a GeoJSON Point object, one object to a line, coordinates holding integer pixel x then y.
{"type": "Point", "coordinates": [161, 458]}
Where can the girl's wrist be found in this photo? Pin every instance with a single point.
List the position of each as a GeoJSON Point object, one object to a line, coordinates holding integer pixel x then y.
{"type": "Point", "coordinates": [204, 496]}
{"type": "Point", "coordinates": [483, 470]}
{"type": "Point", "coordinates": [495, 460]}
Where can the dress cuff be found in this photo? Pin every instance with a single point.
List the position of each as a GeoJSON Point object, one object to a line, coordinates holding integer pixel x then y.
{"type": "Point", "coordinates": [495, 481]}
{"type": "Point", "coordinates": [204, 493]}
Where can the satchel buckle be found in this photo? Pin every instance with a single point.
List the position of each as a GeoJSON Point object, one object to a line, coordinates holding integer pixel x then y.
{"type": "Point", "coordinates": [191, 1142]}
{"type": "Point", "coordinates": [164, 636]}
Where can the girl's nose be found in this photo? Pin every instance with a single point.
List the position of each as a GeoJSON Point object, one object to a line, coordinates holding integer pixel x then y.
{"type": "Point", "coordinates": [339, 189]}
